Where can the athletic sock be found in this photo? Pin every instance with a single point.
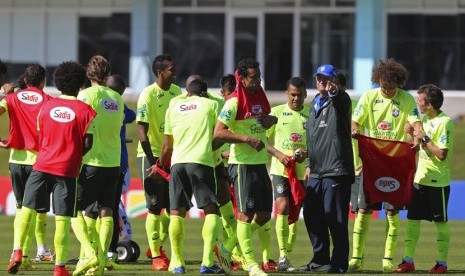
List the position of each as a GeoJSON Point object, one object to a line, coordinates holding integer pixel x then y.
{"type": "Point", "coordinates": [25, 223]}
{"type": "Point", "coordinates": [92, 231]}
{"type": "Point", "coordinates": [361, 227]}
{"type": "Point", "coordinates": [30, 235]}
{"type": "Point", "coordinates": [443, 238]}
{"type": "Point", "coordinates": [152, 228]}
{"type": "Point", "coordinates": [80, 230]}
{"type": "Point", "coordinates": [176, 234]}
{"type": "Point", "coordinates": [61, 240]}
{"type": "Point", "coordinates": [244, 235]}
{"type": "Point", "coordinates": [105, 235]}
{"type": "Point", "coordinates": [228, 218]}
{"type": "Point", "coordinates": [41, 231]}
{"type": "Point", "coordinates": [210, 231]}
{"type": "Point", "coordinates": [293, 228]}
{"type": "Point", "coordinates": [164, 225]}
{"type": "Point", "coordinates": [16, 225]}
{"type": "Point", "coordinates": [392, 236]}
{"type": "Point", "coordinates": [282, 233]}
{"type": "Point", "coordinates": [412, 234]}
{"type": "Point", "coordinates": [264, 234]}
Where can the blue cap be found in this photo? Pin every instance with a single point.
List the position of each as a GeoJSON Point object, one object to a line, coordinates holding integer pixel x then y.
{"type": "Point", "coordinates": [326, 70]}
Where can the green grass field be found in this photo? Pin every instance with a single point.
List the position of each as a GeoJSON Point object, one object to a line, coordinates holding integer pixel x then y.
{"type": "Point", "coordinates": [424, 259]}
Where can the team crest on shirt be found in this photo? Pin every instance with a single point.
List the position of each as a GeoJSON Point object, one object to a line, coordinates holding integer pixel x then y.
{"type": "Point", "coordinates": [153, 200]}
{"type": "Point", "coordinates": [256, 109]}
{"type": "Point", "coordinates": [395, 113]}
{"type": "Point", "coordinates": [30, 97]}
{"type": "Point", "coordinates": [280, 188]}
{"type": "Point", "coordinates": [110, 105]}
{"type": "Point", "coordinates": [250, 203]}
{"type": "Point", "coordinates": [62, 114]}
{"type": "Point", "coordinates": [186, 108]}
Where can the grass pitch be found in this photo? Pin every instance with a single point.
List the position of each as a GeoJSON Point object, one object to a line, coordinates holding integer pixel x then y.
{"type": "Point", "coordinates": [425, 257]}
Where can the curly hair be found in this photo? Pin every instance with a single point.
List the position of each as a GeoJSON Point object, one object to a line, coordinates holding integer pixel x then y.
{"type": "Point", "coordinates": [160, 64]}
{"type": "Point", "coordinates": [390, 71]}
{"type": "Point", "coordinates": [246, 64]}
{"type": "Point", "coordinates": [98, 69]}
{"type": "Point", "coordinates": [228, 82]}
{"type": "Point", "coordinates": [34, 75]}
{"type": "Point", "coordinates": [69, 76]}
{"type": "Point", "coordinates": [433, 94]}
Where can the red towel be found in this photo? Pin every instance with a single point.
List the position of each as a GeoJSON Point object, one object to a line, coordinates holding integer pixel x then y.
{"type": "Point", "coordinates": [297, 191]}
{"type": "Point", "coordinates": [249, 105]}
{"type": "Point", "coordinates": [388, 170]}
{"type": "Point", "coordinates": [164, 171]}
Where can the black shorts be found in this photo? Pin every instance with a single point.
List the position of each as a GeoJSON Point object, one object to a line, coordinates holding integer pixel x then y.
{"type": "Point", "coordinates": [429, 203]}
{"type": "Point", "coordinates": [97, 184]}
{"type": "Point", "coordinates": [156, 190]}
{"type": "Point", "coordinates": [19, 174]}
{"type": "Point", "coordinates": [281, 187]}
{"type": "Point", "coordinates": [252, 187]}
{"type": "Point", "coordinates": [189, 179]}
{"type": "Point", "coordinates": [362, 200]}
{"type": "Point", "coordinates": [37, 194]}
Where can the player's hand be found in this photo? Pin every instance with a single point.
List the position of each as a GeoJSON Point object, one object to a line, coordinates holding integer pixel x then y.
{"type": "Point", "coordinates": [355, 132]}
{"type": "Point", "coordinates": [9, 87]}
{"type": "Point", "coordinates": [301, 158]}
{"type": "Point", "coordinates": [257, 144]}
{"type": "Point", "coordinates": [331, 87]}
{"type": "Point", "coordinates": [284, 159]}
{"type": "Point", "coordinates": [267, 120]}
{"type": "Point", "coordinates": [153, 173]}
{"type": "Point", "coordinates": [225, 154]}
{"type": "Point", "coordinates": [409, 129]}
{"type": "Point", "coordinates": [3, 144]}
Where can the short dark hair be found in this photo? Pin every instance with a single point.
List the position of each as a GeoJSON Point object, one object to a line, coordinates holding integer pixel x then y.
{"type": "Point", "coordinates": [390, 71]}
{"type": "Point", "coordinates": [3, 68]}
{"type": "Point", "coordinates": [434, 95]}
{"type": "Point", "coordinates": [159, 63]}
{"type": "Point", "coordinates": [34, 75]}
{"type": "Point", "coordinates": [98, 69]}
{"type": "Point", "coordinates": [245, 64]}
{"type": "Point", "coordinates": [20, 82]}
{"type": "Point", "coordinates": [116, 82]}
{"type": "Point", "coordinates": [69, 77]}
{"type": "Point", "coordinates": [196, 87]}
{"type": "Point", "coordinates": [228, 82]}
{"type": "Point", "coordinates": [297, 82]}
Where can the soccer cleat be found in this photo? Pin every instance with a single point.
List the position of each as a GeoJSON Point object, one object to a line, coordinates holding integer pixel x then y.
{"type": "Point", "coordinates": [388, 266]}
{"type": "Point", "coordinates": [270, 266]}
{"type": "Point", "coordinates": [225, 258]}
{"type": "Point", "coordinates": [405, 267]}
{"type": "Point", "coordinates": [315, 267]}
{"type": "Point", "coordinates": [45, 256]}
{"type": "Point", "coordinates": [60, 271]}
{"type": "Point", "coordinates": [284, 264]}
{"type": "Point", "coordinates": [85, 264]}
{"type": "Point", "coordinates": [355, 265]}
{"type": "Point", "coordinates": [235, 266]}
{"type": "Point", "coordinates": [214, 269]}
{"type": "Point", "coordinates": [26, 264]}
{"type": "Point", "coordinates": [15, 261]}
{"type": "Point", "coordinates": [179, 270]}
{"type": "Point", "coordinates": [254, 270]}
{"type": "Point", "coordinates": [438, 269]}
{"type": "Point", "coordinates": [159, 264]}
{"type": "Point", "coordinates": [95, 271]}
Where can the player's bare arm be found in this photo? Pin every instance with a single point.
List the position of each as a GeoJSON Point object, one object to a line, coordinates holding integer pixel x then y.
{"type": "Point", "coordinates": [429, 145]}
{"type": "Point", "coordinates": [284, 159]}
{"type": "Point", "coordinates": [223, 134]}
{"type": "Point", "coordinates": [143, 129]}
{"type": "Point", "coordinates": [88, 141]}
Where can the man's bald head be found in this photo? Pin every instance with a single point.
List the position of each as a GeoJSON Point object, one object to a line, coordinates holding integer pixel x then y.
{"type": "Point", "coordinates": [192, 78]}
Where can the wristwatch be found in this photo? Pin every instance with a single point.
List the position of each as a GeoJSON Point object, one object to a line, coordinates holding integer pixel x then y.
{"type": "Point", "coordinates": [425, 139]}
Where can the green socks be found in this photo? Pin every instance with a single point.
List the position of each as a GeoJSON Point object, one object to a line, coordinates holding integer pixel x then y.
{"type": "Point", "coordinates": [61, 240]}
{"type": "Point", "coordinates": [164, 224]}
{"type": "Point", "coordinates": [412, 234]}
{"type": "Point", "coordinates": [361, 227]}
{"type": "Point", "coordinates": [152, 228]}
{"type": "Point", "coordinates": [443, 238]}
{"type": "Point", "coordinates": [80, 230]}
{"type": "Point", "coordinates": [282, 234]}
{"type": "Point", "coordinates": [244, 235]}
{"type": "Point", "coordinates": [177, 234]}
{"type": "Point", "coordinates": [392, 236]}
{"type": "Point", "coordinates": [292, 237]}
{"type": "Point", "coordinates": [228, 218]}
{"type": "Point", "coordinates": [210, 231]}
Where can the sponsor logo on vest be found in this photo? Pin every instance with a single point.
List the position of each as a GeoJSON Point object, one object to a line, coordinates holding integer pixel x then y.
{"type": "Point", "coordinates": [62, 114]}
{"type": "Point", "coordinates": [295, 137]}
{"type": "Point", "coordinates": [384, 125]}
{"type": "Point", "coordinates": [29, 97]}
{"type": "Point", "coordinates": [387, 184]}
{"type": "Point", "coordinates": [110, 105]}
{"type": "Point", "coordinates": [185, 108]}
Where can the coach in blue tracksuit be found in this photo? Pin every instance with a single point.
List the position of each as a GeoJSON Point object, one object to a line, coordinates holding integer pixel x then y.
{"type": "Point", "coordinates": [330, 172]}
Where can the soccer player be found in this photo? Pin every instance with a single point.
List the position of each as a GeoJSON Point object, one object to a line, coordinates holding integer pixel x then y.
{"type": "Point", "coordinates": [432, 179]}
{"type": "Point", "coordinates": [100, 171]}
{"type": "Point", "coordinates": [62, 124]}
{"type": "Point", "coordinates": [192, 172]}
{"type": "Point", "coordinates": [243, 122]}
{"type": "Point", "coordinates": [391, 106]}
{"type": "Point", "coordinates": [151, 108]}
{"type": "Point", "coordinates": [117, 83]}
{"type": "Point", "coordinates": [284, 139]}
{"type": "Point", "coordinates": [23, 107]}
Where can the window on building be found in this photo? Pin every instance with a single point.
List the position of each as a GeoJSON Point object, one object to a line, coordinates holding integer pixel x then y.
{"type": "Point", "coordinates": [432, 47]}
{"type": "Point", "coordinates": [327, 38]}
{"type": "Point", "coordinates": [107, 36]}
{"type": "Point", "coordinates": [196, 43]}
